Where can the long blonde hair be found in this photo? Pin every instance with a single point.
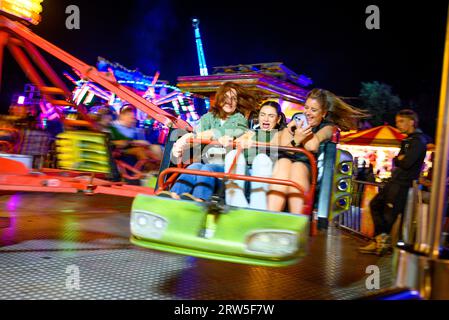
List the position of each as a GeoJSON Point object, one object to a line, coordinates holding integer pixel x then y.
{"type": "Point", "coordinates": [339, 112]}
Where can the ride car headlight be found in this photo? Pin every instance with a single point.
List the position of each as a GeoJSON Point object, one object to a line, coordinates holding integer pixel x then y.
{"type": "Point", "coordinates": [147, 224]}
{"type": "Point", "coordinates": [284, 241]}
{"type": "Point", "coordinates": [159, 223]}
{"type": "Point", "coordinates": [273, 242]}
{"type": "Point", "coordinates": [142, 221]}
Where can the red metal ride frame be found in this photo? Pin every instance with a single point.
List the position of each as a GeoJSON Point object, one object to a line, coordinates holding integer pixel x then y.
{"type": "Point", "coordinates": [308, 196]}
{"type": "Point", "coordinates": [15, 34]}
{"type": "Point", "coordinates": [22, 43]}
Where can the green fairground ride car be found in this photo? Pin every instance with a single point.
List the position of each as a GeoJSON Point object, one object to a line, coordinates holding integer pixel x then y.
{"type": "Point", "coordinates": [214, 230]}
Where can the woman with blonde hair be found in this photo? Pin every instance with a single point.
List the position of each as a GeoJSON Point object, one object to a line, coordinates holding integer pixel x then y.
{"type": "Point", "coordinates": [323, 111]}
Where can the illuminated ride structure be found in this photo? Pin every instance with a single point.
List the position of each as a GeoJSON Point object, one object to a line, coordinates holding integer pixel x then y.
{"type": "Point", "coordinates": [28, 11]}
{"type": "Point", "coordinates": [88, 150]}
{"type": "Point", "coordinates": [92, 153]}
{"type": "Point", "coordinates": [214, 230]}
{"type": "Point", "coordinates": [171, 99]}
{"type": "Point", "coordinates": [199, 47]}
{"type": "Point", "coordinates": [158, 92]}
{"type": "Point", "coordinates": [19, 39]}
{"type": "Point", "coordinates": [274, 80]}
{"type": "Point", "coordinates": [258, 237]}
{"type": "Point", "coordinates": [211, 230]}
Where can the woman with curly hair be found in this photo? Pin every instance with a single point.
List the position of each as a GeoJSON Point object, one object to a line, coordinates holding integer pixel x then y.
{"type": "Point", "coordinates": [225, 121]}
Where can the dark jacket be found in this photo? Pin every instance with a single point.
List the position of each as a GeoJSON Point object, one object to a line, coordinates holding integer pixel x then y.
{"type": "Point", "coordinates": [414, 150]}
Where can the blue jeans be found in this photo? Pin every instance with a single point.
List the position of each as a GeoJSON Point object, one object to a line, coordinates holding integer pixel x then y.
{"type": "Point", "coordinates": [199, 186]}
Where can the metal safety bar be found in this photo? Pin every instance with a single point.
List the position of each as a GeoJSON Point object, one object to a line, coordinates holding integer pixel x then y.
{"type": "Point", "coordinates": [308, 196]}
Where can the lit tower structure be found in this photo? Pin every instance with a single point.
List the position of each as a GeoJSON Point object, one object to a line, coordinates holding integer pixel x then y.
{"type": "Point", "coordinates": [199, 47]}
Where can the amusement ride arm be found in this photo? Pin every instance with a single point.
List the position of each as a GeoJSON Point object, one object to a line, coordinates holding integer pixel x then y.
{"type": "Point", "coordinates": [106, 80]}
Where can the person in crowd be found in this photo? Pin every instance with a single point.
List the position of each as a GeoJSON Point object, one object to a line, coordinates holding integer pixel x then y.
{"type": "Point", "coordinates": [7, 131]}
{"type": "Point", "coordinates": [104, 119]}
{"type": "Point", "coordinates": [426, 181]}
{"type": "Point", "coordinates": [126, 138]}
{"type": "Point", "coordinates": [370, 176]}
{"type": "Point", "coordinates": [35, 141]}
{"type": "Point", "coordinates": [270, 121]}
{"type": "Point", "coordinates": [391, 200]}
{"type": "Point", "coordinates": [324, 111]}
{"type": "Point", "coordinates": [224, 122]}
{"type": "Point", "coordinates": [362, 172]}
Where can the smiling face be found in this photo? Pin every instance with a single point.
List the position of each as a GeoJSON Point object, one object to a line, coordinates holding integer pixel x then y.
{"type": "Point", "coordinates": [268, 118]}
{"type": "Point", "coordinates": [230, 101]}
{"type": "Point", "coordinates": [314, 112]}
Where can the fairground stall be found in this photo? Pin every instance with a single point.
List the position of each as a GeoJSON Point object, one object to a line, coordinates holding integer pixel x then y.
{"type": "Point", "coordinates": [377, 147]}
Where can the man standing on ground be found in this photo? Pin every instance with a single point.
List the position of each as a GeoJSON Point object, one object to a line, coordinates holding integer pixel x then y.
{"type": "Point", "coordinates": [391, 200]}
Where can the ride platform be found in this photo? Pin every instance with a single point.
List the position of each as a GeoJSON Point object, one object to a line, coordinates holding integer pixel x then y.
{"type": "Point", "coordinates": [44, 235]}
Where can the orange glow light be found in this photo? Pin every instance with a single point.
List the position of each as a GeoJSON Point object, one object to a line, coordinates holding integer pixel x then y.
{"type": "Point", "coordinates": [28, 10]}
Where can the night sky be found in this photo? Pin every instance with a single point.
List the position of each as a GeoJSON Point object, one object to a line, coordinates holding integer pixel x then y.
{"type": "Point", "coordinates": [325, 40]}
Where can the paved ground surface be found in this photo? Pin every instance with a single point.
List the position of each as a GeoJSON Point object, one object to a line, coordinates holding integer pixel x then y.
{"type": "Point", "coordinates": [48, 234]}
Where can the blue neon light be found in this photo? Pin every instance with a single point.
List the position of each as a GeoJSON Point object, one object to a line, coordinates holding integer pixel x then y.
{"type": "Point", "coordinates": [199, 48]}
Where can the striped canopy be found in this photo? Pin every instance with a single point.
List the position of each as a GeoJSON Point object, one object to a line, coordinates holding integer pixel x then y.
{"type": "Point", "coordinates": [382, 136]}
